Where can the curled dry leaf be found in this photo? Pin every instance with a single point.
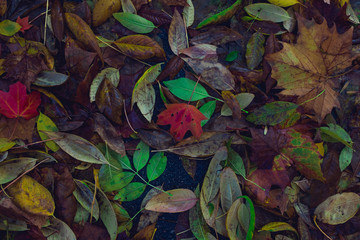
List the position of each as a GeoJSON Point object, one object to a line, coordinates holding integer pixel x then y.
{"type": "Point", "coordinates": [176, 200]}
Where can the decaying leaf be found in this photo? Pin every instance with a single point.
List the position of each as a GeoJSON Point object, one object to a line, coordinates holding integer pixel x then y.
{"type": "Point", "coordinates": [177, 34]}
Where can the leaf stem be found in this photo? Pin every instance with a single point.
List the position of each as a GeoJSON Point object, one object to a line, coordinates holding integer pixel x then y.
{"type": "Point", "coordinates": [321, 229]}
{"type": "Point", "coordinates": [309, 100]}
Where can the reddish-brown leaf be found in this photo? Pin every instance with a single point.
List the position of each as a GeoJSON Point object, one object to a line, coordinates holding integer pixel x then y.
{"type": "Point", "coordinates": [57, 19]}
{"type": "Point", "coordinates": [182, 117]}
{"type": "Point", "coordinates": [24, 23]}
{"type": "Point", "coordinates": [17, 103]}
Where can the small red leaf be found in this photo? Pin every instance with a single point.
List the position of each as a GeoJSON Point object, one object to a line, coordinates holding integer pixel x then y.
{"type": "Point", "coordinates": [182, 117]}
{"type": "Point", "coordinates": [17, 103]}
{"type": "Point", "coordinates": [24, 23]}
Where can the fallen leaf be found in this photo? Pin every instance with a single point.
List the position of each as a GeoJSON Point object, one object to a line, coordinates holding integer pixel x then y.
{"type": "Point", "coordinates": [177, 34]}
{"type": "Point", "coordinates": [9, 28]}
{"type": "Point", "coordinates": [11, 168]}
{"type": "Point", "coordinates": [104, 9]}
{"type": "Point", "coordinates": [229, 188]}
{"type": "Point", "coordinates": [182, 117]}
{"type": "Point", "coordinates": [255, 50]}
{"type": "Point", "coordinates": [176, 200]}
{"type": "Point", "coordinates": [283, 3]}
{"type": "Point", "coordinates": [146, 233]}
{"type": "Point", "coordinates": [134, 22]}
{"type": "Point", "coordinates": [24, 23]}
{"type": "Point", "coordinates": [17, 103]}
{"type": "Point", "coordinates": [31, 196]}
{"type": "Point", "coordinates": [267, 12]}
{"type": "Point", "coordinates": [44, 123]}
{"type": "Point", "coordinates": [58, 230]}
{"type": "Point", "coordinates": [57, 19]}
{"type": "Point", "coordinates": [278, 226]}
{"type": "Point", "coordinates": [338, 208]}
{"type": "Point", "coordinates": [306, 68]}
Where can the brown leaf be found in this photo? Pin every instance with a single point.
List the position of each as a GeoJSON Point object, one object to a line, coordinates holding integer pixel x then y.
{"type": "Point", "coordinates": [140, 47]}
{"type": "Point", "coordinates": [17, 128]}
{"type": "Point", "coordinates": [110, 101]}
{"type": "Point", "coordinates": [156, 138]}
{"type": "Point", "coordinates": [109, 134]}
{"type": "Point", "coordinates": [83, 33]}
{"type": "Point", "coordinates": [177, 33]}
{"type": "Point", "coordinates": [104, 9]}
{"type": "Point", "coordinates": [146, 234]}
{"type": "Point", "coordinates": [216, 36]}
{"type": "Point", "coordinates": [182, 3]}
{"type": "Point", "coordinates": [57, 19]}
{"type": "Point", "coordinates": [172, 68]}
{"type": "Point", "coordinates": [232, 102]}
{"type": "Point", "coordinates": [155, 16]}
{"type": "Point", "coordinates": [82, 91]}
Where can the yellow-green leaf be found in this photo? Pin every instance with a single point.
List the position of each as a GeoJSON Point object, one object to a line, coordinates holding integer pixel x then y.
{"type": "Point", "coordinates": [104, 9]}
{"type": "Point", "coordinates": [6, 144]}
{"type": "Point", "coordinates": [44, 123]}
{"type": "Point", "coordinates": [283, 3]}
{"type": "Point", "coordinates": [9, 28]}
{"type": "Point", "coordinates": [32, 197]}
{"type": "Point", "coordinates": [278, 226]}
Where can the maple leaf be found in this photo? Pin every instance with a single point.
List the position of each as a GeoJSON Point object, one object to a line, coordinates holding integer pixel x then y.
{"type": "Point", "coordinates": [305, 69]}
{"type": "Point", "coordinates": [182, 117]}
{"type": "Point", "coordinates": [24, 23]}
{"type": "Point", "coordinates": [17, 103]}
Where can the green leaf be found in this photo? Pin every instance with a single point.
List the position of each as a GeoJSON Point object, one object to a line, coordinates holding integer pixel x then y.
{"type": "Point", "coordinates": [244, 100]}
{"type": "Point", "coordinates": [134, 22]}
{"type": "Point", "coordinates": [250, 232]}
{"type": "Point", "coordinates": [235, 162]}
{"type": "Point", "coordinates": [141, 156]}
{"type": "Point", "coordinates": [278, 226]}
{"type": "Point", "coordinates": [115, 158]}
{"type": "Point", "coordinates": [156, 166]}
{"type": "Point", "coordinates": [130, 192]}
{"type": "Point", "coordinates": [229, 188]}
{"type": "Point", "coordinates": [44, 123]}
{"type": "Point", "coordinates": [207, 109]}
{"type": "Point", "coordinates": [77, 147]}
{"type": "Point", "coordinates": [85, 197]}
{"type": "Point", "coordinates": [189, 13]}
{"type": "Point", "coordinates": [221, 16]}
{"type": "Point", "coordinates": [107, 213]}
{"type": "Point", "coordinates": [144, 93]}
{"type": "Point", "coordinates": [267, 12]}
{"type": "Point", "coordinates": [58, 230]}
{"type": "Point", "coordinates": [345, 158]}
{"type": "Point", "coordinates": [6, 144]}
{"type": "Point", "coordinates": [232, 56]}
{"type": "Point", "coordinates": [272, 113]}
{"type": "Point", "coordinates": [335, 133]}
{"type": "Point", "coordinates": [10, 169]}
{"type": "Point", "coordinates": [255, 50]}
{"type": "Point", "coordinates": [50, 79]}
{"type": "Point", "coordinates": [9, 28]}
{"type": "Point", "coordinates": [183, 88]}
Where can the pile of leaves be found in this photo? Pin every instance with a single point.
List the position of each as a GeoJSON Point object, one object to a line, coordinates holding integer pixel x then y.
{"type": "Point", "coordinates": [96, 95]}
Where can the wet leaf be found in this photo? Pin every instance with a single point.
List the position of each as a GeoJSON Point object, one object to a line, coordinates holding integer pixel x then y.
{"type": "Point", "coordinates": [156, 166]}
{"type": "Point", "coordinates": [78, 147]}
{"type": "Point", "coordinates": [31, 196]}
{"type": "Point", "coordinates": [11, 168]}
{"type": "Point", "coordinates": [177, 34]}
{"type": "Point", "coordinates": [186, 89]}
{"type": "Point", "coordinates": [83, 33]}
{"type": "Point", "coordinates": [58, 230]}
{"type": "Point", "coordinates": [110, 101]}
{"type": "Point", "coordinates": [44, 123]}
{"type": "Point", "coordinates": [134, 22]}
{"type": "Point", "coordinates": [141, 156]}
{"type": "Point", "coordinates": [130, 192]}
{"type": "Point", "coordinates": [17, 103]}
{"type": "Point", "coordinates": [103, 10]}
{"type": "Point", "coordinates": [189, 13]}
{"type": "Point", "coordinates": [182, 117]}
{"type": "Point", "coordinates": [207, 109]}
{"type": "Point", "coordinates": [338, 208]}
{"type": "Point", "coordinates": [229, 188]}
{"type": "Point", "coordinates": [85, 197]}
{"type": "Point", "coordinates": [235, 162]}
{"type": "Point", "coordinates": [140, 47]}
{"type": "Point", "coordinates": [158, 139]}
{"type": "Point", "coordinates": [50, 79]}
{"type": "Point", "coordinates": [255, 50]}
{"type": "Point", "coordinates": [144, 94]}
{"type": "Point", "coordinates": [176, 200]}
{"type": "Point", "coordinates": [244, 100]}
{"type": "Point", "coordinates": [221, 16]}
{"type": "Point", "coordinates": [272, 113]}
{"type": "Point", "coordinates": [267, 12]}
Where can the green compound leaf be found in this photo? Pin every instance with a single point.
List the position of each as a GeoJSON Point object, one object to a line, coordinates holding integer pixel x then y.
{"type": "Point", "coordinates": [130, 192]}
{"type": "Point", "coordinates": [255, 50]}
{"type": "Point", "coordinates": [221, 16]}
{"type": "Point", "coordinates": [183, 88]}
{"type": "Point", "coordinates": [141, 156]}
{"type": "Point", "coordinates": [156, 166]}
{"type": "Point", "coordinates": [272, 113]}
{"type": "Point", "coordinates": [267, 12]}
{"type": "Point", "coordinates": [9, 28]}
{"type": "Point", "coordinates": [134, 22]}
{"type": "Point", "coordinates": [302, 151]}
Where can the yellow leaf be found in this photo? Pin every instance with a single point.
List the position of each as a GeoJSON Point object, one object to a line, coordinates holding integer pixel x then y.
{"type": "Point", "coordinates": [283, 3]}
{"type": "Point", "coordinates": [104, 9]}
{"type": "Point", "coordinates": [32, 197]}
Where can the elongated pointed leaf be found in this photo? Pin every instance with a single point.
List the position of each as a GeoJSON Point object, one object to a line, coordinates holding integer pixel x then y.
{"type": "Point", "coordinates": [255, 50]}
{"type": "Point", "coordinates": [186, 89]}
{"type": "Point", "coordinates": [267, 12]}
{"type": "Point", "coordinates": [134, 22]}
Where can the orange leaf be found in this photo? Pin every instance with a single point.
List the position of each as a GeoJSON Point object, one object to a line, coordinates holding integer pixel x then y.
{"type": "Point", "coordinates": [182, 117]}
{"type": "Point", "coordinates": [16, 103]}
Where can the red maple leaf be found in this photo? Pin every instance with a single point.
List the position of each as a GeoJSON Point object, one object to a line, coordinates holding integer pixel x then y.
{"type": "Point", "coordinates": [17, 103]}
{"type": "Point", "coordinates": [24, 23]}
{"type": "Point", "coordinates": [182, 117]}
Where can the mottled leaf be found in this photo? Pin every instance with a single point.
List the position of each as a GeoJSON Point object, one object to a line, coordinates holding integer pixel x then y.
{"type": "Point", "coordinates": [255, 50]}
